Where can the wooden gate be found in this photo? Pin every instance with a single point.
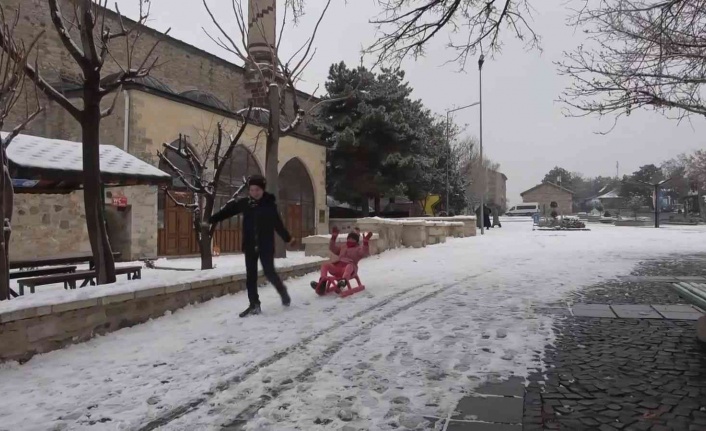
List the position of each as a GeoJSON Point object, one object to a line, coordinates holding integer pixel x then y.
{"type": "Point", "coordinates": [176, 237]}
{"type": "Point", "coordinates": [293, 222]}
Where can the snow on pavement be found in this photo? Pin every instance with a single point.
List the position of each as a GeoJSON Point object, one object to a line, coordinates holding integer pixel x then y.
{"type": "Point", "coordinates": [432, 324]}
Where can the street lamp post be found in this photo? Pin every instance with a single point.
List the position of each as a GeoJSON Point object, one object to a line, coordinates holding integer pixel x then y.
{"type": "Point", "coordinates": [481, 60]}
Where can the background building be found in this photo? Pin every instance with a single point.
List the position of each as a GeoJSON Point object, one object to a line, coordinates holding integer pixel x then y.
{"type": "Point", "coordinates": [495, 190]}
{"type": "Point", "coordinates": [186, 96]}
{"type": "Point", "coordinates": [546, 193]}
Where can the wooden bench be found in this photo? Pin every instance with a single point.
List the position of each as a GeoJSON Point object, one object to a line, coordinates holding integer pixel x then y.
{"type": "Point", "coordinates": [42, 271]}
{"type": "Point", "coordinates": [695, 293]}
{"type": "Point", "coordinates": [88, 277]}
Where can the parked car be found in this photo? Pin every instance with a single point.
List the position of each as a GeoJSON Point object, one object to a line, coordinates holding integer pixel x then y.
{"type": "Point", "coordinates": [523, 210]}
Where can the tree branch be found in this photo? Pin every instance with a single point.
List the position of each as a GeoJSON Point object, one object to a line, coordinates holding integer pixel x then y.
{"type": "Point", "coordinates": [64, 35]}
{"type": "Point", "coordinates": [180, 204]}
{"type": "Point", "coordinates": [196, 188]}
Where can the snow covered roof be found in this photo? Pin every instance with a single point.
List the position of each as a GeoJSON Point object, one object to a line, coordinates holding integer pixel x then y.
{"type": "Point", "coordinates": [205, 98]}
{"type": "Point", "coordinates": [333, 203]}
{"type": "Point", "coordinates": [56, 166]}
{"type": "Point", "coordinates": [613, 194]}
{"type": "Point", "coordinates": [546, 183]}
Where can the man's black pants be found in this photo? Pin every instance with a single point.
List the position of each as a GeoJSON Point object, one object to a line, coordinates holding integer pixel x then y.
{"type": "Point", "coordinates": [267, 259]}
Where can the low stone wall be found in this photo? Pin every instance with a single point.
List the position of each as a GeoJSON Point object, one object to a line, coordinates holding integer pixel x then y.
{"type": "Point", "coordinates": [27, 332]}
{"type": "Point", "coordinates": [395, 233]}
{"type": "Point", "coordinates": [414, 234]}
{"type": "Point", "coordinates": [469, 223]}
{"type": "Point", "coordinates": [318, 245]}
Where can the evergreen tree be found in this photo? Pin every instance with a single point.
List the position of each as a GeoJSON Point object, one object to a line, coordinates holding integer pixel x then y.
{"type": "Point", "coordinates": [374, 137]}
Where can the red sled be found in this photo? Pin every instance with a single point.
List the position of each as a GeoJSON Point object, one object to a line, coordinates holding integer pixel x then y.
{"type": "Point", "coordinates": [347, 290]}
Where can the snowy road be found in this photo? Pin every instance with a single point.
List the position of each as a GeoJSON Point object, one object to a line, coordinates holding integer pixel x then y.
{"type": "Point", "coordinates": [432, 324]}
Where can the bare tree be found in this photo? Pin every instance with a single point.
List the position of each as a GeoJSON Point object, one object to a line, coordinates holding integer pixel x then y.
{"type": "Point", "coordinates": [467, 155]}
{"type": "Point", "coordinates": [277, 77]}
{"type": "Point", "coordinates": [639, 54]}
{"type": "Point", "coordinates": [91, 49]}
{"type": "Point", "coordinates": [12, 86]}
{"type": "Point", "coordinates": [407, 26]}
{"type": "Point", "coordinates": [696, 170]}
{"type": "Point", "coordinates": [202, 183]}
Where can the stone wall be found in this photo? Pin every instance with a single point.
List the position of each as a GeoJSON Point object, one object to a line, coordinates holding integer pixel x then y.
{"type": "Point", "coordinates": [36, 330]}
{"type": "Point", "coordinates": [546, 194]}
{"type": "Point", "coordinates": [48, 225]}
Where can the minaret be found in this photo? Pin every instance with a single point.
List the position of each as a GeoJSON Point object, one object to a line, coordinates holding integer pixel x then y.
{"type": "Point", "coordinates": [262, 40]}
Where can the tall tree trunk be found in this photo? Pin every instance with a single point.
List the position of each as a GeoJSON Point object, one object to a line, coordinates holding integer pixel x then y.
{"type": "Point", "coordinates": [203, 231]}
{"type": "Point", "coordinates": [377, 205]}
{"type": "Point", "coordinates": [92, 194]}
{"type": "Point", "coordinates": [272, 157]}
{"type": "Point", "coordinates": [7, 201]}
{"type": "Point", "coordinates": [365, 206]}
{"type": "Point", "coordinates": [205, 245]}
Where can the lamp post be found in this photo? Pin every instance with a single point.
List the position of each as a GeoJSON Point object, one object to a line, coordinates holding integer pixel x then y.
{"type": "Point", "coordinates": [481, 60]}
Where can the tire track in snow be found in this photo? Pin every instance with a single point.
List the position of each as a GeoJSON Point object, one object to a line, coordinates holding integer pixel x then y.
{"type": "Point", "coordinates": [195, 403]}
{"type": "Point", "coordinates": [239, 422]}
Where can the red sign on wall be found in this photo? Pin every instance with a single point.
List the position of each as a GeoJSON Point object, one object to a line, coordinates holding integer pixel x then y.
{"type": "Point", "coordinates": [120, 201]}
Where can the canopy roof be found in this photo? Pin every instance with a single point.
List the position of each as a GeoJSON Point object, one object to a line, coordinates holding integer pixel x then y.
{"type": "Point", "coordinates": [42, 165]}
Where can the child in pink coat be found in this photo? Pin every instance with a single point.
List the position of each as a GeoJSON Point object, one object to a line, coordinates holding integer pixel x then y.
{"type": "Point", "coordinates": [346, 265]}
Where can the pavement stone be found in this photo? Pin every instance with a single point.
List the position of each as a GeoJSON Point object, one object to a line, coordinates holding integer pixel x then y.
{"type": "Point", "coordinates": [635, 311]}
{"type": "Point", "coordinates": [512, 387]}
{"type": "Point", "coordinates": [675, 308]}
{"type": "Point", "coordinates": [681, 316]}
{"type": "Point", "coordinates": [507, 410]}
{"type": "Point", "coordinates": [593, 310]}
{"type": "Point", "coordinates": [479, 426]}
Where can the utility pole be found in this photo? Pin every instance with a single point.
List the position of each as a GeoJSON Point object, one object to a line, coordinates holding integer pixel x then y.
{"type": "Point", "coordinates": [481, 60]}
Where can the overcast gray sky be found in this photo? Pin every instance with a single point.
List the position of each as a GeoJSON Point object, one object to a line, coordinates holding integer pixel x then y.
{"type": "Point", "coordinates": [524, 129]}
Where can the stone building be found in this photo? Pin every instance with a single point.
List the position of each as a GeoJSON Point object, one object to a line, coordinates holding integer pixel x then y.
{"type": "Point", "coordinates": [187, 96]}
{"type": "Point", "coordinates": [546, 193]}
{"type": "Point", "coordinates": [497, 190]}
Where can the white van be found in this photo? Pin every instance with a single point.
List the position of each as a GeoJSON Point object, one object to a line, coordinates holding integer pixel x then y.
{"type": "Point", "coordinates": [527, 209]}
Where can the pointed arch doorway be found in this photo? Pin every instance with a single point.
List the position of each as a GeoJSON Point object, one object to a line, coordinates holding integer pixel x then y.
{"type": "Point", "coordinates": [296, 201]}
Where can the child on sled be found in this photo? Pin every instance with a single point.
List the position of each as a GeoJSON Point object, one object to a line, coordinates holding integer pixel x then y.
{"type": "Point", "coordinates": [344, 266]}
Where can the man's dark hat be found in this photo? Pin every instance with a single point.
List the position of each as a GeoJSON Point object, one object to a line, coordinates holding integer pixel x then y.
{"type": "Point", "coordinates": [257, 180]}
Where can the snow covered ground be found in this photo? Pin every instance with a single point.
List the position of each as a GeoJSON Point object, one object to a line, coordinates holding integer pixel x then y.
{"type": "Point", "coordinates": [432, 324]}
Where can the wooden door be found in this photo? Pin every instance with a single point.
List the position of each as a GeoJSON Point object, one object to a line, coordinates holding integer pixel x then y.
{"type": "Point", "coordinates": [177, 236]}
{"type": "Point", "coordinates": [293, 222]}
{"type": "Point", "coordinates": [186, 237]}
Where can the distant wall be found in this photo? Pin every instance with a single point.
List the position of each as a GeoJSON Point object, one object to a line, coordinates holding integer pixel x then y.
{"type": "Point", "coordinates": [546, 194]}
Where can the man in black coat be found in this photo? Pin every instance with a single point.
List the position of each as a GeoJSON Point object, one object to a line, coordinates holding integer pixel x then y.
{"type": "Point", "coordinates": [260, 221]}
